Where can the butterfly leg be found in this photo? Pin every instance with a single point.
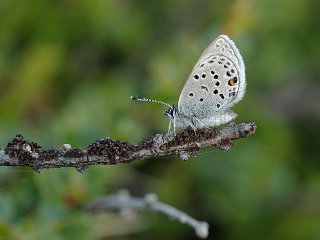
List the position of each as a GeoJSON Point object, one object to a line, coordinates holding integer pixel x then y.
{"type": "Point", "coordinates": [174, 125]}
{"type": "Point", "coordinates": [203, 125]}
{"type": "Point", "coordinates": [169, 126]}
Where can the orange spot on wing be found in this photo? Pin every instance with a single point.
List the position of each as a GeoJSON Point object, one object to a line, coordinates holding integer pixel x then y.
{"type": "Point", "coordinates": [231, 82]}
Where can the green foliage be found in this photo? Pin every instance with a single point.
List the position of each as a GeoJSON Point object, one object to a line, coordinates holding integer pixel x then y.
{"type": "Point", "coordinates": [67, 70]}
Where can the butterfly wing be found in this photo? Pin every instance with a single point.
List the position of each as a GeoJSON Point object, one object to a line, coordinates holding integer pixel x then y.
{"type": "Point", "coordinates": [216, 82]}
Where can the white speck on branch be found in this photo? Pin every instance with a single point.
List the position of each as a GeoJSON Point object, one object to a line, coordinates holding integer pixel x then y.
{"type": "Point", "coordinates": [105, 151]}
{"type": "Point", "coordinates": [124, 202]}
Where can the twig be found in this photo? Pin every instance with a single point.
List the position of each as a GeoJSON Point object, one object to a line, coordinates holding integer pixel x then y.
{"type": "Point", "coordinates": [105, 151]}
{"type": "Point", "coordinates": [124, 202]}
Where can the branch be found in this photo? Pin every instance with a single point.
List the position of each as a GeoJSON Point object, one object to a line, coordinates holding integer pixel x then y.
{"type": "Point", "coordinates": [123, 202]}
{"type": "Point", "coordinates": [105, 151]}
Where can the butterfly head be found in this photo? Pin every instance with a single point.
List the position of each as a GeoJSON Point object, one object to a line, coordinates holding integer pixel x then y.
{"type": "Point", "coordinates": [171, 112]}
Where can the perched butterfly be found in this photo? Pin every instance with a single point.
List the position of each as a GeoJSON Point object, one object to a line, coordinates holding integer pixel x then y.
{"type": "Point", "coordinates": [216, 83]}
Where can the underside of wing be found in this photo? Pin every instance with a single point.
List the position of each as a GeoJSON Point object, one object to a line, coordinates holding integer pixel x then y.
{"type": "Point", "coordinates": [210, 88]}
{"type": "Point", "coordinates": [216, 82]}
{"type": "Point", "coordinates": [223, 45]}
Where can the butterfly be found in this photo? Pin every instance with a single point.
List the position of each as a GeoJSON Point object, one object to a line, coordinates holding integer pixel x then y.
{"type": "Point", "coordinates": [216, 83]}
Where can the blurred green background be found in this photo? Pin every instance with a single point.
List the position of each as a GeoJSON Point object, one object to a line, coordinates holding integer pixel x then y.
{"type": "Point", "coordinates": [67, 70]}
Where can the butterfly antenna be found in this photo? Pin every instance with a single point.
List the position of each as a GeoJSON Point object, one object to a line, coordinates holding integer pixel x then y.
{"type": "Point", "coordinates": [143, 99]}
